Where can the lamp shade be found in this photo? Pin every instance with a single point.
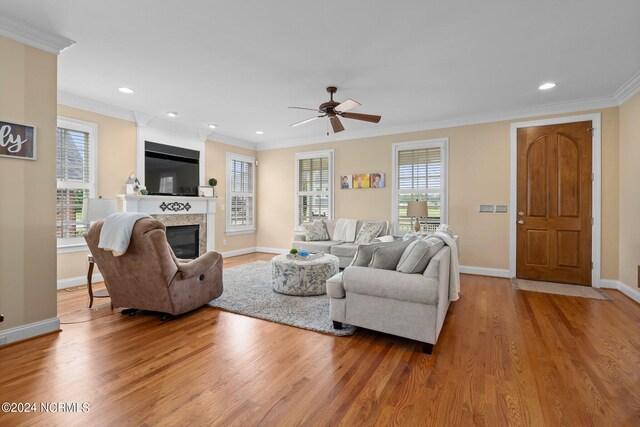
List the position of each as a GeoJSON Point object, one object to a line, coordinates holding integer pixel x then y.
{"type": "Point", "coordinates": [97, 209]}
{"type": "Point", "coordinates": [417, 209]}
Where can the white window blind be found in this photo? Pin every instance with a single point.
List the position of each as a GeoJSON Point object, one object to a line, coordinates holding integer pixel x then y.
{"type": "Point", "coordinates": [420, 175]}
{"type": "Point", "coordinates": [240, 193]}
{"type": "Point", "coordinates": [313, 187]}
{"type": "Point", "coordinates": [75, 171]}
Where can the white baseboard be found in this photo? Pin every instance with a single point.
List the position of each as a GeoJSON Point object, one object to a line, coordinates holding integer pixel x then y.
{"type": "Point", "coordinates": [30, 330]}
{"type": "Point", "coordinates": [238, 252]}
{"type": "Point", "coordinates": [630, 291]}
{"type": "Point", "coordinates": [482, 271]}
{"type": "Point", "coordinates": [272, 250]}
{"type": "Point", "coordinates": [77, 281]}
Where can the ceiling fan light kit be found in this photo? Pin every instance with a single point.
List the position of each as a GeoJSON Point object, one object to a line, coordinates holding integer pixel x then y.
{"type": "Point", "coordinates": [334, 110]}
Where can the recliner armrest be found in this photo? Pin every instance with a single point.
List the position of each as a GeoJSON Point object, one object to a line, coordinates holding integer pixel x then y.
{"type": "Point", "coordinates": [199, 265]}
{"type": "Point", "coordinates": [299, 238]}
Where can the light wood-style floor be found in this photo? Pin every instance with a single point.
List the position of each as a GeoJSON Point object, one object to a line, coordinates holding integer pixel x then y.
{"type": "Point", "coordinates": [505, 357]}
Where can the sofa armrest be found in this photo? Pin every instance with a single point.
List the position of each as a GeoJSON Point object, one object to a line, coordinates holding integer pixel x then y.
{"type": "Point", "coordinates": [299, 238]}
{"type": "Point", "coordinates": [199, 265]}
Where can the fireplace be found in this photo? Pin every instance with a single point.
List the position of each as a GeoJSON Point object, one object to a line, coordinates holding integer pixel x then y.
{"type": "Point", "coordinates": [184, 240]}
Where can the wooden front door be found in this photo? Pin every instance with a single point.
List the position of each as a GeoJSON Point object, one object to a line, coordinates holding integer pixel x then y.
{"type": "Point", "coordinates": [554, 203]}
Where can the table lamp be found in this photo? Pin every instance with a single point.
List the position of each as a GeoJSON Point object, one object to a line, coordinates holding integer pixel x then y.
{"type": "Point", "coordinates": [97, 209]}
{"type": "Point", "coordinates": [417, 210]}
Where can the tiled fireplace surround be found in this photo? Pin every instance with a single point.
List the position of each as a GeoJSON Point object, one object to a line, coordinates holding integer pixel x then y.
{"type": "Point", "coordinates": [174, 211]}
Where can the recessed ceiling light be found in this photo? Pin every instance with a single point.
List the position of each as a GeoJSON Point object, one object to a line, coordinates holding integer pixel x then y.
{"type": "Point", "coordinates": [172, 114]}
{"type": "Point", "coordinates": [259, 132]}
{"type": "Point", "coordinates": [125, 90]}
{"type": "Point", "coordinates": [212, 126]}
{"type": "Point", "coordinates": [546, 86]}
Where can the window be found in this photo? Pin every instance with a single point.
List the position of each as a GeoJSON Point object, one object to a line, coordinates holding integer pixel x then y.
{"type": "Point", "coordinates": [240, 194]}
{"type": "Point", "coordinates": [76, 147]}
{"type": "Point", "coordinates": [314, 186]}
{"type": "Point", "coordinates": [420, 173]}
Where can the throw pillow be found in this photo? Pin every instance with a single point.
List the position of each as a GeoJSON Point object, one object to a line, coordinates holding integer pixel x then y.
{"type": "Point", "coordinates": [364, 253]}
{"type": "Point", "coordinates": [387, 257]}
{"type": "Point", "coordinates": [315, 231]}
{"type": "Point", "coordinates": [367, 233]}
{"type": "Point", "coordinates": [418, 254]}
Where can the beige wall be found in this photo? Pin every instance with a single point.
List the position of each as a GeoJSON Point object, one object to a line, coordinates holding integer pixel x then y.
{"type": "Point", "coordinates": [215, 167]}
{"type": "Point", "coordinates": [629, 191]}
{"type": "Point", "coordinates": [116, 160]}
{"type": "Point", "coordinates": [27, 188]}
{"type": "Point", "coordinates": [478, 173]}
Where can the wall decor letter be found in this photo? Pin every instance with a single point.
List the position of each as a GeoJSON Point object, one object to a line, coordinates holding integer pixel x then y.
{"type": "Point", "coordinates": [17, 141]}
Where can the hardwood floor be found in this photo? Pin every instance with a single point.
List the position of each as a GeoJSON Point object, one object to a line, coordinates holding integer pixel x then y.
{"type": "Point", "coordinates": [504, 357]}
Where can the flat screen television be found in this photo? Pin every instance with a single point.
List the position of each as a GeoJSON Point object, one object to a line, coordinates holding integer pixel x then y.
{"type": "Point", "coordinates": [171, 171]}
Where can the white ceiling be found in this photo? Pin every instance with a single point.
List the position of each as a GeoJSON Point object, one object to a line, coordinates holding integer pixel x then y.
{"type": "Point", "coordinates": [240, 64]}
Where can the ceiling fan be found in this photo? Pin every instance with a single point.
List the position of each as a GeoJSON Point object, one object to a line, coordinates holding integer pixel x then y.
{"type": "Point", "coordinates": [334, 110]}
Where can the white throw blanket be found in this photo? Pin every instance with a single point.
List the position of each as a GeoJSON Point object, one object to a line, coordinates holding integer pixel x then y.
{"type": "Point", "coordinates": [345, 230]}
{"type": "Point", "coordinates": [116, 231]}
{"type": "Point", "coordinates": [454, 267]}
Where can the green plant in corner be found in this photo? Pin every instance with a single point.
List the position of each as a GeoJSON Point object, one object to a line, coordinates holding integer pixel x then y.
{"type": "Point", "coordinates": [213, 182]}
{"type": "Point", "coordinates": [293, 251]}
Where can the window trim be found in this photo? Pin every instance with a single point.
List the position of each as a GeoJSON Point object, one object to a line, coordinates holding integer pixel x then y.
{"type": "Point", "coordinates": [78, 244]}
{"type": "Point", "coordinates": [229, 229]}
{"type": "Point", "coordinates": [443, 144]}
{"type": "Point", "coordinates": [312, 155]}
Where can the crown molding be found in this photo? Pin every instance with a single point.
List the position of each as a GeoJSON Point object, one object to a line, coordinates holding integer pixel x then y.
{"type": "Point", "coordinates": [20, 31]}
{"type": "Point", "coordinates": [86, 104]}
{"type": "Point", "coordinates": [145, 119]}
{"type": "Point", "coordinates": [629, 89]}
{"type": "Point", "coordinates": [229, 140]}
{"type": "Point", "coordinates": [542, 110]}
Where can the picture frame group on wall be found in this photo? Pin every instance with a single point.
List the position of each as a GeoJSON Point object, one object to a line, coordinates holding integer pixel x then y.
{"type": "Point", "coordinates": [362, 180]}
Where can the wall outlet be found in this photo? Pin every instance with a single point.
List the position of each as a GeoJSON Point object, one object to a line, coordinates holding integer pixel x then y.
{"type": "Point", "coordinates": [501, 208]}
{"type": "Point", "coordinates": [224, 242]}
{"type": "Point", "coordinates": [486, 208]}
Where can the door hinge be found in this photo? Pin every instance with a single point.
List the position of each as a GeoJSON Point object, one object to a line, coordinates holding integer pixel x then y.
{"type": "Point", "coordinates": [592, 265]}
{"type": "Point", "coordinates": [592, 221]}
{"type": "Point", "coordinates": [593, 177]}
{"type": "Point", "coordinates": [591, 130]}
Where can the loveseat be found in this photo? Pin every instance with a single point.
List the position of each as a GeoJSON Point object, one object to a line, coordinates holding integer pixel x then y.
{"type": "Point", "coordinates": [410, 305]}
{"type": "Point", "coordinates": [345, 251]}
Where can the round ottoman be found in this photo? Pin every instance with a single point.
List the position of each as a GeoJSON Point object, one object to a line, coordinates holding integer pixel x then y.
{"type": "Point", "coordinates": [303, 278]}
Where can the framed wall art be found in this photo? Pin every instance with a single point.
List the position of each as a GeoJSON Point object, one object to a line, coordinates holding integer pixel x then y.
{"type": "Point", "coordinates": [17, 141]}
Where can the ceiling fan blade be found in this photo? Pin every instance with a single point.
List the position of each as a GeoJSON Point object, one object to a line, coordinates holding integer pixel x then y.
{"type": "Point", "coordinates": [336, 124]}
{"type": "Point", "coordinates": [306, 121]}
{"type": "Point", "coordinates": [347, 105]}
{"type": "Point", "coordinates": [366, 117]}
{"type": "Point", "coordinates": [303, 108]}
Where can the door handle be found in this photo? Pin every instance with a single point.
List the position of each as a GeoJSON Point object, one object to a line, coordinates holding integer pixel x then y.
{"type": "Point", "coordinates": [521, 222]}
{"type": "Point", "coordinates": [521, 213]}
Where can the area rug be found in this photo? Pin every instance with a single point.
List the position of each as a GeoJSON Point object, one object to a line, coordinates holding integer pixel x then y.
{"type": "Point", "coordinates": [248, 291]}
{"type": "Point", "coordinates": [559, 289]}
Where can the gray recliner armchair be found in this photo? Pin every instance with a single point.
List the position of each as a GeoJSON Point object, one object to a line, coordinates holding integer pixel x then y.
{"type": "Point", "coordinates": [150, 277]}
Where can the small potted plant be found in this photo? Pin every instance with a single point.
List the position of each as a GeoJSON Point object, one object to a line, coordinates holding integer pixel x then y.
{"type": "Point", "coordinates": [213, 182]}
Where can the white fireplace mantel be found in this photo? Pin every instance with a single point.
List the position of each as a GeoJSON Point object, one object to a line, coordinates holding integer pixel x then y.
{"type": "Point", "coordinates": [168, 205]}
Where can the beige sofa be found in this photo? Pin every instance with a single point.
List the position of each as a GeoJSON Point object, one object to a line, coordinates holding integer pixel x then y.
{"type": "Point", "coordinates": [343, 250]}
{"type": "Point", "coordinates": [408, 305]}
